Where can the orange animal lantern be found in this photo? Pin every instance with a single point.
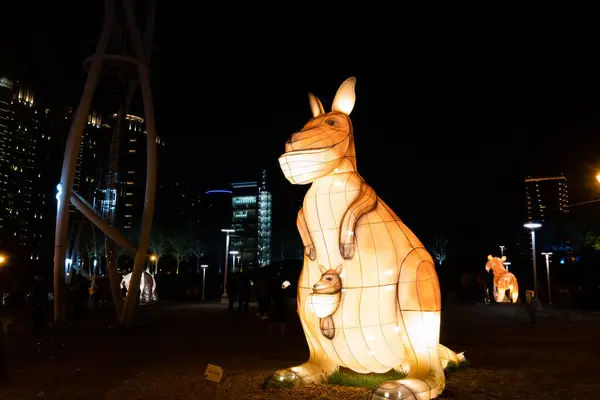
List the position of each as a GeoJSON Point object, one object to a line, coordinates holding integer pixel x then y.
{"type": "Point", "coordinates": [503, 280]}
{"type": "Point", "coordinates": [368, 295]}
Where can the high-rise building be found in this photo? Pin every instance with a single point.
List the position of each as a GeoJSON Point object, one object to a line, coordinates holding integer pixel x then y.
{"type": "Point", "coordinates": [124, 201]}
{"type": "Point", "coordinates": [264, 223]}
{"type": "Point", "coordinates": [547, 201]}
{"type": "Point", "coordinates": [251, 220]}
{"type": "Point", "coordinates": [23, 147]}
{"type": "Point", "coordinates": [547, 198]}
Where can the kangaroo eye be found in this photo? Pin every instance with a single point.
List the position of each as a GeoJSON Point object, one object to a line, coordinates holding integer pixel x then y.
{"type": "Point", "coordinates": [331, 122]}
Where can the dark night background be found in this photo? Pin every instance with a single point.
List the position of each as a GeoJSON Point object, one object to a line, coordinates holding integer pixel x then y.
{"type": "Point", "coordinates": [450, 115]}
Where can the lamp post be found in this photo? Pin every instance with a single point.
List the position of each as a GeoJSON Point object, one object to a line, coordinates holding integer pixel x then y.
{"type": "Point", "coordinates": [234, 253]}
{"type": "Point", "coordinates": [547, 255]}
{"type": "Point", "coordinates": [203, 266]}
{"type": "Point", "coordinates": [502, 250]}
{"type": "Point", "coordinates": [224, 297]}
{"type": "Point", "coordinates": [532, 226]}
{"type": "Point", "coordinates": [155, 259]}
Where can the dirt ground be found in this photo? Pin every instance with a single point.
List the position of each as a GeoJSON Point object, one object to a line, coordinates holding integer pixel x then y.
{"type": "Point", "coordinates": [166, 354]}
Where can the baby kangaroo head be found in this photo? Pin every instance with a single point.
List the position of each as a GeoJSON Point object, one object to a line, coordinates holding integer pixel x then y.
{"type": "Point", "coordinates": [330, 282]}
{"type": "Point", "coordinates": [324, 142]}
{"type": "Point", "coordinates": [494, 262]}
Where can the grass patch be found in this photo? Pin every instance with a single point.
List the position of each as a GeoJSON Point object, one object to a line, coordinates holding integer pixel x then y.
{"type": "Point", "coordinates": [454, 366]}
{"type": "Point", "coordinates": [345, 377]}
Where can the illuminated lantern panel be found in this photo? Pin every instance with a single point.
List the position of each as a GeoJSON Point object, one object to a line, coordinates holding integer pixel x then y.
{"type": "Point", "coordinates": [503, 280]}
{"type": "Point", "coordinates": [147, 287]}
{"type": "Point", "coordinates": [368, 294]}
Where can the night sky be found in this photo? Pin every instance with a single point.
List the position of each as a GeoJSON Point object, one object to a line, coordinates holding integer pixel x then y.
{"type": "Point", "coordinates": [450, 115]}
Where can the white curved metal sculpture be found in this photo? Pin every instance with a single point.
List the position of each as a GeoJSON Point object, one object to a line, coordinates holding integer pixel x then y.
{"type": "Point", "coordinates": [147, 287]}
{"type": "Point", "coordinates": [117, 51]}
{"type": "Point", "coordinates": [368, 295]}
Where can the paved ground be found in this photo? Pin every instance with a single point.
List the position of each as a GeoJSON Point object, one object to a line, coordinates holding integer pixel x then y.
{"type": "Point", "coordinates": [166, 355]}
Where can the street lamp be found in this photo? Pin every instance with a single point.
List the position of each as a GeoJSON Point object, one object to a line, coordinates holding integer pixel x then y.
{"type": "Point", "coordinates": [532, 226]}
{"type": "Point", "coordinates": [234, 253]}
{"type": "Point", "coordinates": [68, 263]}
{"type": "Point", "coordinates": [155, 259]}
{"type": "Point", "coordinates": [224, 297]}
{"type": "Point", "coordinates": [502, 251]}
{"type": "Point", "coordinates": [203, 266]}
{"type": "Point", "coordinates": [507, 264]}
{"type": "Point", "coordinates": [547, 255]}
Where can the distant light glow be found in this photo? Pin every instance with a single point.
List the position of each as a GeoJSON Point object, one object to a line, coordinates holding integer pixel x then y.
{"type": "Point", "coordinates": [219, 191]}
{"type": "Point", "coordinates": [532, 225]}
{"type": "Point", "coordinates": [58, 193]}
{"type": "Point", "coordinates": [598, 177]}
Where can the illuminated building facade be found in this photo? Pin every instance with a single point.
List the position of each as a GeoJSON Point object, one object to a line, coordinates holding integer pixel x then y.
{"type": "Point", "coordinates": [547, 201]}
{"type": "Point", "coordinates": [123, 203]}
{"type": "Point", "coordinates": [251, 220]}
{"type": "Point", "coordinates": [264, 223]}
{"type": "Point", "coordinates": [547, 198]}
{"type": "Point", "coordinates": [23, 147]}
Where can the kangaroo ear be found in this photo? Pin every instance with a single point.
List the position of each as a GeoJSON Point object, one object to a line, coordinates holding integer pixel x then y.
{"type": "Point", "coordinates": [315, 105]}
{"type": "Point", "coordinates": [345, 98]}
{"type": "Point", "coordinates": [323, 269]}
{"type": "Point", "coordinates": [490, 257]}
{"type": "Point", "coordinates": [503, 258]}
{"type": "Point", "coordinates": [339, 268]}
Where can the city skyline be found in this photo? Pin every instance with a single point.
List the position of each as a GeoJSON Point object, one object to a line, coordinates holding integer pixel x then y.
{"type": "Point", "coordinates": [457, 142]}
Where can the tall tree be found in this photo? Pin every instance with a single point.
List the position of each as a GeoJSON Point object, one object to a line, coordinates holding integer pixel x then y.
{"type": "Point", "coordinates": [198, 251]}
{"type": "Point", "coordinates": [439, 250]}
{"type": "Point", "coordinates": [180, 249]}
{"type": "Point", "coordinates": [159, 246]}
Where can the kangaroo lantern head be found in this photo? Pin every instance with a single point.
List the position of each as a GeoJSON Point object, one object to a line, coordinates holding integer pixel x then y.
{"type": "Point", "coordinates": [494, 262]}
{"type": "Point", "coordinates": [325, 143]}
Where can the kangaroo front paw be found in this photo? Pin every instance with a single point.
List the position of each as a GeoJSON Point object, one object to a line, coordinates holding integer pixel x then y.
{"type": "Point", "coordinates": [310, 252]}
{"type": "Point", "coordinates": [306, 373]}
{"type": "Point", "coordinates": [347, 250]}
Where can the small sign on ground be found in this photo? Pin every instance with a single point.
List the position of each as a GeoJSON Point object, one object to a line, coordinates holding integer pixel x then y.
{"type": "Point", "coordinates": [213, 373]}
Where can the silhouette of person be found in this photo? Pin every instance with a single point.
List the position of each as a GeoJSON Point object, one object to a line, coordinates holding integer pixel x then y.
{"type": "Point", "coordinates": [232, 289]}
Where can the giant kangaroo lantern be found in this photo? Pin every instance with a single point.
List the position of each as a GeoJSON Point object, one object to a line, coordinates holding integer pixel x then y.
{"type": "Point", "coordinates": [368, 295]}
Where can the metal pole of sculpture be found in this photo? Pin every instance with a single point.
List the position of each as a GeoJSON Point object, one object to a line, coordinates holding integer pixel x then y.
{"type": "Point", "coordinates": [547, 255]}
{"type": "Point", "coordinates": [368, 294]}
{"type": "Point", "coordinates": [119, 57]}
{"type": "Point", "coordinates": [532, 226]}
{"type": "Point", "coordinates": [503, 280]}
{"type": "Point", "coordinates": [65, 187]}
{"type": "Point", "coordinates": [224, 297]}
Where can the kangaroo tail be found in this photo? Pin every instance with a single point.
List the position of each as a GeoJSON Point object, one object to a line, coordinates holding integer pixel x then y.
{"type": "Point", "coordinates": [447, 355]}
{"type": "Point", "coordinates": [514, 292]}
